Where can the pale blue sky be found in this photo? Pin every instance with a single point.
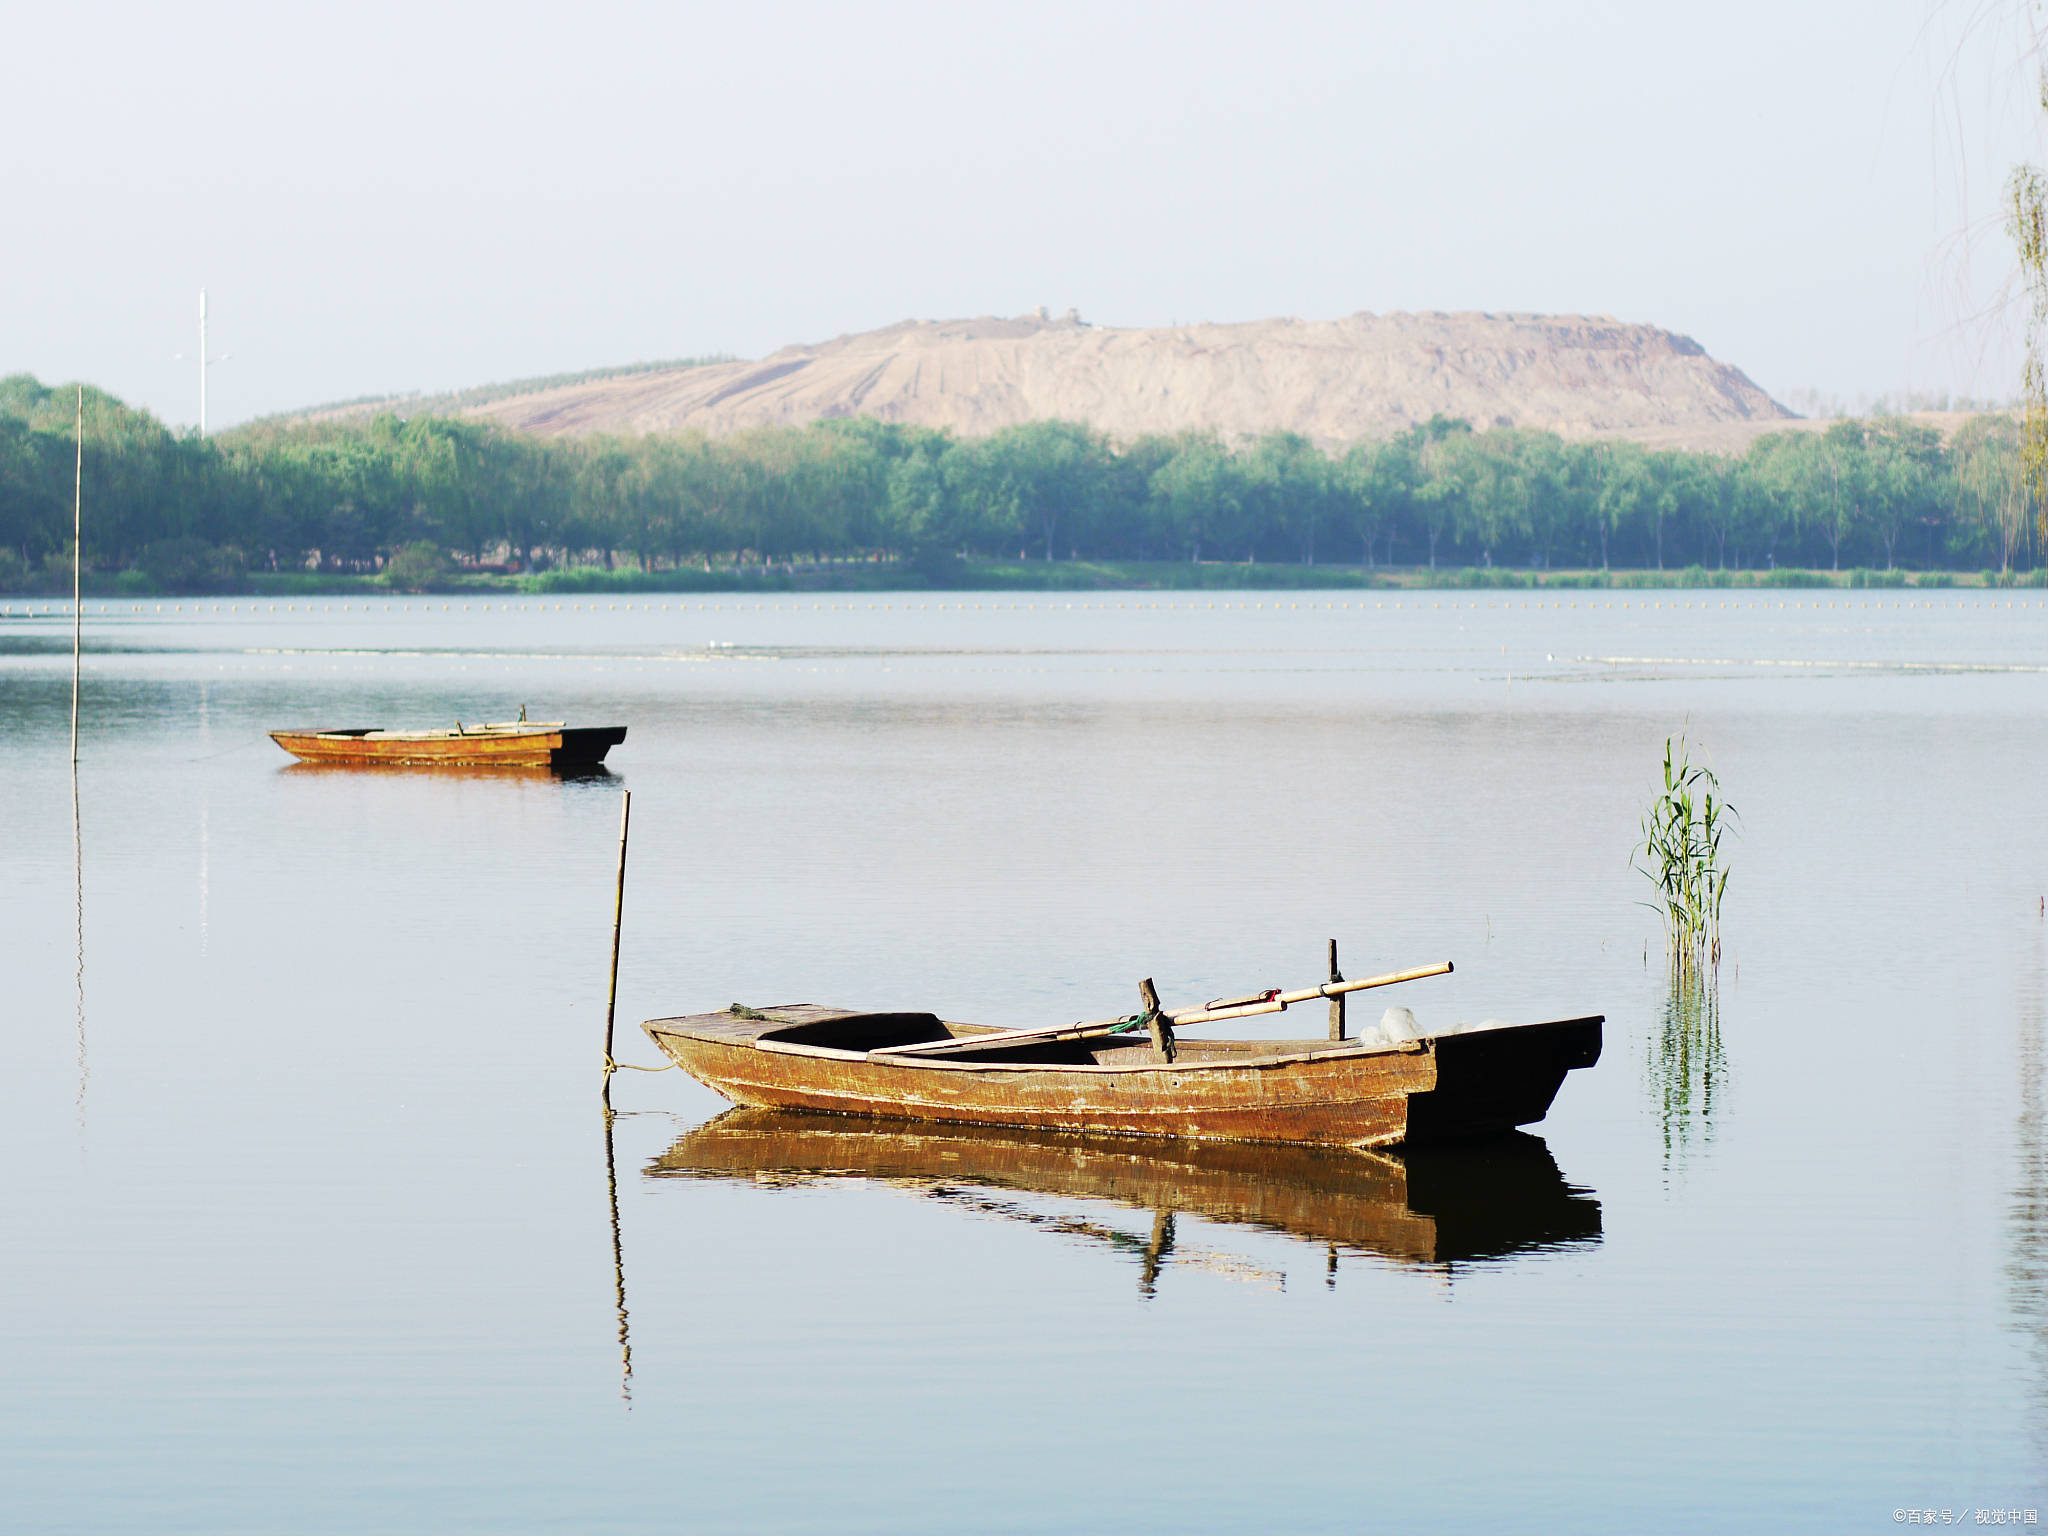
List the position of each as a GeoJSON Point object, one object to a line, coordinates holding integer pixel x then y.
{"type": "Point", "coordinates": [385, 196]}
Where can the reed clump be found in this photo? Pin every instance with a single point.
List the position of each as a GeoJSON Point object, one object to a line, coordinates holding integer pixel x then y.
{"type": "Point", "coordinates": [1681, 856]}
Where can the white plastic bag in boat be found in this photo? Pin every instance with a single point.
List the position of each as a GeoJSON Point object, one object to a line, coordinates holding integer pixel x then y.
{"type": "Point", "coordinates": [1462, 1028]}
{"type": "Point", "coordinates": [1398, 1025]}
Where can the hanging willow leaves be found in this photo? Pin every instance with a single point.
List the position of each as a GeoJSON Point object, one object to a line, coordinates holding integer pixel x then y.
{"type": "Point", "coordinates": [2026, 221]}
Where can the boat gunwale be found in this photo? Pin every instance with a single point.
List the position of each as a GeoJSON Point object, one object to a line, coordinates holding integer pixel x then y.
{"type": "Point", "coordinates": [1352, 1051]}
{"type": "Point", "coordinates": [528, 732]}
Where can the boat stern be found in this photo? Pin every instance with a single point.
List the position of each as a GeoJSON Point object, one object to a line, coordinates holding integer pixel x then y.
{"type": "Point", "coordinates": [1493, 1080]}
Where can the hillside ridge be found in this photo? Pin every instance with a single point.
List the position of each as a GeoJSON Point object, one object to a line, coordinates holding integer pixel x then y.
{"type": "Point", "coordinates": [1365, 376]}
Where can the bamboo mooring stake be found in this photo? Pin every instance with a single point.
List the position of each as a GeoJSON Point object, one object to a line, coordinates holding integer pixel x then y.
{"type": "Point", "coordinates": [77, 835]}
{"type": "Point", "coordinates": [77, 556]}
{"type": "Point", "coordinates": [611, 1000]}
{"type": "Point", "coordinates": [1336, 1002]}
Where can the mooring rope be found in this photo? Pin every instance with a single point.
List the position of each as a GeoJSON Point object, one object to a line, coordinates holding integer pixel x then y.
{"type": "Point", "coordinates": [627, 1066]}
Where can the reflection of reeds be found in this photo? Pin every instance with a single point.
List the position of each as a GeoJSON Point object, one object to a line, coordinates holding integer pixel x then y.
{"type": "Point", "coordinates": [2027, 1263]}
{"type": "Point", "coordinates": [1688, 1068]}
{"type": "Point", "coordinates": [1681, 856]}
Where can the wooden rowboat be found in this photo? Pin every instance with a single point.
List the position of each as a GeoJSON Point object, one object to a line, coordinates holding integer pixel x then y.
{"type": "Point", "coordinates": [520, 743]}
{"type": "Point", "coordinates": [1435, 1206]}
{"type": "Point", "coordinates": [1374, 1091]}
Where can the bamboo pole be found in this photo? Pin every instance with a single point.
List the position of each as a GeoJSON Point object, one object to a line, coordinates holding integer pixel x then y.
{"type": "Point", "coordinates": [611, 1000]}
{"type": "Point", "coordinates": [1341, 988]}
{"type": "Point", "coordinates": [77, 834]}
{"type": "Point", "coordinates": [1276, 1000]}
{"type": "Point", "coordinates": [77, 556]}
{"type": "Point", "coordinates": [1215, 1015]}
{"type": "Point", "coordinates": [1270, 1001]}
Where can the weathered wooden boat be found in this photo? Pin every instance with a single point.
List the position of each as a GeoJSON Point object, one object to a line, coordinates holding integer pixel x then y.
{"type": "Point", "coordinates": [1469, 1203]}
{"type": "Point", "coordinates": [1389, 1086]}
{"type": "Point", "coordinates": [508, 743]}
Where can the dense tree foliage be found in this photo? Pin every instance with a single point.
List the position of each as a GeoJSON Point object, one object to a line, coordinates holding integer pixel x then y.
{"type": "Point", "coordinates": [189, 512]}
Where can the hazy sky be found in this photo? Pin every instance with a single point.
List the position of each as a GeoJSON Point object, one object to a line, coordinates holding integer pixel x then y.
{"type": "Point", "coordinates": [395, 196]}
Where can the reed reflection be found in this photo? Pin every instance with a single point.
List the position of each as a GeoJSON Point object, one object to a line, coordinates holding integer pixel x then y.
{"type": "Point", "coordinates": [1688, 1067]}
{"type": "Point", "coordinates": [2027, 1238]}
{"type": "Point", "coordinates": [1436, 1208]}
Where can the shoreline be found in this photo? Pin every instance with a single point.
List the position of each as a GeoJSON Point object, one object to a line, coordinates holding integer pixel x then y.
{"type": "Point", "coordinates": [1035, 576]}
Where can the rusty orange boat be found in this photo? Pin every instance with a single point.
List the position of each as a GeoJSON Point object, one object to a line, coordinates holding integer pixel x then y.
{"type": "Point", "coordinates": [1388, 1086]}
{"type": "Point", "coordinates": [510, 743]}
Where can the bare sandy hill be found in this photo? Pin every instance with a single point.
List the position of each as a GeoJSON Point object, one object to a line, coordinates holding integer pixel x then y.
{"type": "Point", "coordinates": [1336, 381]}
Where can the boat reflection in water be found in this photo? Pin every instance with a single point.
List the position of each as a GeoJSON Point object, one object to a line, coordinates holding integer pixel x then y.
{"type": "Point", "coordinates": [1437, 1207]}
{"type": "Point", "coordinates": [493, 771]}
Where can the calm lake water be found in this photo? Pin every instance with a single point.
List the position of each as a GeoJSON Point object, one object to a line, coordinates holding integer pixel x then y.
{"type": "Point", "coordinates": [308, 1226]}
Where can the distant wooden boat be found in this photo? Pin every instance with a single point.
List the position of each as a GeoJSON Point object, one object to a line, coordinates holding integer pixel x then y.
{"type": "Point", "coordinates": [1374, 1091]}
{"type": "Point", "coordinates": [1438, 1205]}
{"type": "Point", "coordinates": [521, 743]}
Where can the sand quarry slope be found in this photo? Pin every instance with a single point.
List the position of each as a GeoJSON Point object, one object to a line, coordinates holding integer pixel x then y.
{"type": "Point", "coordinates": [1335, 381]}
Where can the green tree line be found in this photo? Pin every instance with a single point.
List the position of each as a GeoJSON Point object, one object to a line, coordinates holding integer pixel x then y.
{"type": "Point", "coordinates": [350, 497]}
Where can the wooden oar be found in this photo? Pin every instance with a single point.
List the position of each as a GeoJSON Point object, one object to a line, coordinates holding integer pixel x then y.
{"type": "Point", "coordinates": [1088, 1030]}
{"type": "Point", "coordinates": [1273, 1001]}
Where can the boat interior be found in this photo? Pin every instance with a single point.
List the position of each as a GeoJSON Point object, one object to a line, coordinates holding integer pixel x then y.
{"type": "Point", "coordinates": [857, 1034]}
{"type": "Point", "coordinates": [522, 727]}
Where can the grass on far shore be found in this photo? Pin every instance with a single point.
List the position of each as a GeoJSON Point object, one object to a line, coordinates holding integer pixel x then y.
{"type": "Point", "coordinates": [1042, 576]}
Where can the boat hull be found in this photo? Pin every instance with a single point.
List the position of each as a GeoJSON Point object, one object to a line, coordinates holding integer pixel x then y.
{"type": "Point", "coordinates": [1447, 1089]}
{"type": "Point", "coordinates": [545, 747]}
